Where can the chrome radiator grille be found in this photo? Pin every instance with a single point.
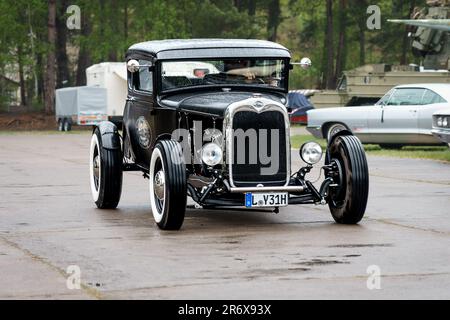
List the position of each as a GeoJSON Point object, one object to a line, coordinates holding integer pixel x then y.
{"type": "Point", "coordinates": [253, 140]}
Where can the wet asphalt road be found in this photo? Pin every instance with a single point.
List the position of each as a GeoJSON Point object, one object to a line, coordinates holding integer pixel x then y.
{"type": "Point", "coordinates": [49, 222]}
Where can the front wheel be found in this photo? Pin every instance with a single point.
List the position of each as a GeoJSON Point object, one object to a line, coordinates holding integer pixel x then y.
{"type": "Point", "coordinates": [168, 186]}
{"type": "Point", "coordinates": [348, 199]}
{"type": "Point", "coordinates": [105, 173]}
{"type": "Point", "coordinates": [334, 129]}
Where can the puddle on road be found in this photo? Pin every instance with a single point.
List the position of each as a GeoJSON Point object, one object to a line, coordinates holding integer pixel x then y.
{"type": "Point", "coordinates": [321, 262]}
{"type": "Point", "coordinates": [362, 245]}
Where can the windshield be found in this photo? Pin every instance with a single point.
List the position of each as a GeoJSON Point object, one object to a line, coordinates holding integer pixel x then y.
{"type": "Point", "coordinates": [253, 72]}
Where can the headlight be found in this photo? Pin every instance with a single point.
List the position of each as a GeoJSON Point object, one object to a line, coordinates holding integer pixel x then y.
{"type": "Point", "coordinates": [211, 154]}
{"type": "Point", "coordinates": [439, 122]}
{"type": "Point", "coordinates": [445, 122]}
{"type": "Point", "coordinates": [311, 152]}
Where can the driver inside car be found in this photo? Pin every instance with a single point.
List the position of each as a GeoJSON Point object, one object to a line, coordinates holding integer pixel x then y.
{"type": "Point", "coordinates": [240, 68]}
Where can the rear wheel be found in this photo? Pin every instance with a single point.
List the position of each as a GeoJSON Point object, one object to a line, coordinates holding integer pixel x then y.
{"type": "Point", "coordinates": [348, 200]}
{"type": "Point", "coordinates": [105, 173]}
{"type": "Point", "coordinates": [333, 129]}
{"type": "Point", "coordinates": [60, 124]}
{"type": "Point", "coordinates": [168, 186]}
{"type": "Point", "coordinates": [67, 125]}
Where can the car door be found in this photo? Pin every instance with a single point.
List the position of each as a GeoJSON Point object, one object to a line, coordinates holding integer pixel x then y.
{"type": "Point", "coordinates": [138, 113]}
{"type": "Point", "coordinates": [431, 102]}
{"type": "Point", "coordinates": [397, 120]}
{"type": "Point", "coordinates": [374, 117]}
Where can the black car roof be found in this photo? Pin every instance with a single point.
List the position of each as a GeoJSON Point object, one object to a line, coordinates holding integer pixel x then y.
{"type": "Point", "coordinates": [208, 48]}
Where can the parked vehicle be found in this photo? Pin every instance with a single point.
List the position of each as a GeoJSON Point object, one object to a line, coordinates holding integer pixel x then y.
{"type": "Point", "coordinates": [299, 104]}
{"type": "Point", "coordinates": [441, 126]}
{"type": "Point", "coordinates": [81, 106]}
{"type": "Point", "coordinates": [403, 116]}
{"type": "Point", "coordinates": [221, 138]}
{"type": "Point", "coordinates": [429, 29]}
{"type": "Point", "coordinates": [113, 77]}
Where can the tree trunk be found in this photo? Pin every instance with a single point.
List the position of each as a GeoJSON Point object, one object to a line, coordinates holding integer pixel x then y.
{"type": "Point", "coordinates": [329, 43]}
{"type": "Point", "coordinates": [125, 21]}
{"type": "Point", "coordinates": [251, 8]}
{"type": "Point", "coordinates": [113, 22]}
{"type": "Point", "coordinates": [49, 91]}
{"type": "Point", "coordinates": [101, 26]}
{"type": "Point", "coordinates": [63, 75]}
{"type": "Point", "coordinates": [273, 22]}
{"type": "Point", "coordinates": [23, 89]}
{"type": "Point", "coordinates": [362, 41]}
{"type": "Point", "coordinates": [342, 43]}
{"type": "Point", "coordinates": [405, 45]}
{"type": "Point", "coordinates": [84, 58]}
{"type": "Point", "coordinates": [239, 4]}
{"type": "Point", "coordinates": [40, 76]}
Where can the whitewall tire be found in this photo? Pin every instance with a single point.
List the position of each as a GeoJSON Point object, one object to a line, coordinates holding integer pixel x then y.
{"type": "Point", "coordinates": [168, 186]}
{"type": "Point", "coordinates": [105, 171]}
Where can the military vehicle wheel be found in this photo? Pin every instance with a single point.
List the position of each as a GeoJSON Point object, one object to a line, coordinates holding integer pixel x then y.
{"type": "Point", "coordinates": [60, 124]}
{"type": "Point", "coordinates": [168, 186]}
{"type": "Point", "coordinates": [347, 201]}
{"type": "Point", "coordinates": [391, 146]}
{"type": "Point", "coordinates": [67, 126]}
{"type": "Point", "coordinates": [105, 173]}
{"type": "Point", "coordinates": [333, 129]}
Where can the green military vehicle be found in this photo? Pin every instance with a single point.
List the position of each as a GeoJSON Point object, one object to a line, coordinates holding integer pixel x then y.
{"type": "Point", "coordinates": [367, 84]}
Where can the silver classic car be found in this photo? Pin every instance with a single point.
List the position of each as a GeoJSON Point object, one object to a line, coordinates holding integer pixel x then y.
{"type": "Point", "coordinates": [403, 116]}
{"type": "Point", "coordinates": [441, 125]}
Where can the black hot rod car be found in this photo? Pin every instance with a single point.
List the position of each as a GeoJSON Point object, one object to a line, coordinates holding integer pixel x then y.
{"type": "Point", "coordinates": [208, 119]}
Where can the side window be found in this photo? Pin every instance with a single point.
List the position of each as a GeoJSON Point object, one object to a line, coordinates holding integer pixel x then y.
{"type": "Point", "coordinates": [430, 97]}
{"type": "Point", "coordinates": [384, 100]}
{"type": "Point", "coordinates": [406, 97]}
{"type": "Point", "coordinates": [143, 80]}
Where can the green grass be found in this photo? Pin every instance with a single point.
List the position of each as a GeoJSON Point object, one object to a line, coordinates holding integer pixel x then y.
{"type": "Point", "coordinates": [434, 153]}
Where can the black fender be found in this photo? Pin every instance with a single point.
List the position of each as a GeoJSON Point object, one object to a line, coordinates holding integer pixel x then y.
{"type": "Point", "coordinates": [110, 135]}
{"type": "Point", "coordinates": [339, 134]}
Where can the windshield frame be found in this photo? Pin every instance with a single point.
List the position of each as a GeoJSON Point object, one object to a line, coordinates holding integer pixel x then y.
{"type": "Point", "coordinates": [251, 87]}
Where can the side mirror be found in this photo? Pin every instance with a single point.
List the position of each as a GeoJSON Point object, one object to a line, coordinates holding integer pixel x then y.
{"type": "Point", "coordinates": [133, 66]}
{"type": "Point", "coordinates": [305, 63]}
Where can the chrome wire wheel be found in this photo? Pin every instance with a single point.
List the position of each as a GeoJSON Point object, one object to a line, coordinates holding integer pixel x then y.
{"type": "Point", "coordinates": [168, 185]}
{"type": "Point", "coordinates": [105, 171]}
{"type": "Point", "coordinates": [157, 185]}
{"type": "Point", "coordinates": [95, 167]}
{"type": "Point", "coordinates": [337, 194]}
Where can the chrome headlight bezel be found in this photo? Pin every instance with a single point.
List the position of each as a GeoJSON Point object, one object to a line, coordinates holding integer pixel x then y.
{"type": "Point", "coordinates": [311, 152]}
{"type": "Point", "coordinates": [212, 154]}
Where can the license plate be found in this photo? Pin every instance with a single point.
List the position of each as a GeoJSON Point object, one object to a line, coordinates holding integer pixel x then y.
{"type": "Point", "coordinates": [275, 199]}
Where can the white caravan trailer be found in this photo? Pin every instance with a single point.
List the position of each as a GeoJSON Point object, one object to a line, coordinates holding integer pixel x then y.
{"type": "Point", "coordinates": [102, 99]}
{"type": "Point", "coordinates": [113, 77]}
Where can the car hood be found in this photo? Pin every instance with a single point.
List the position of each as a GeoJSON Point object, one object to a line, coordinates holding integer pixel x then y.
{"type": "Point", "coordinates": [212, 103]}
